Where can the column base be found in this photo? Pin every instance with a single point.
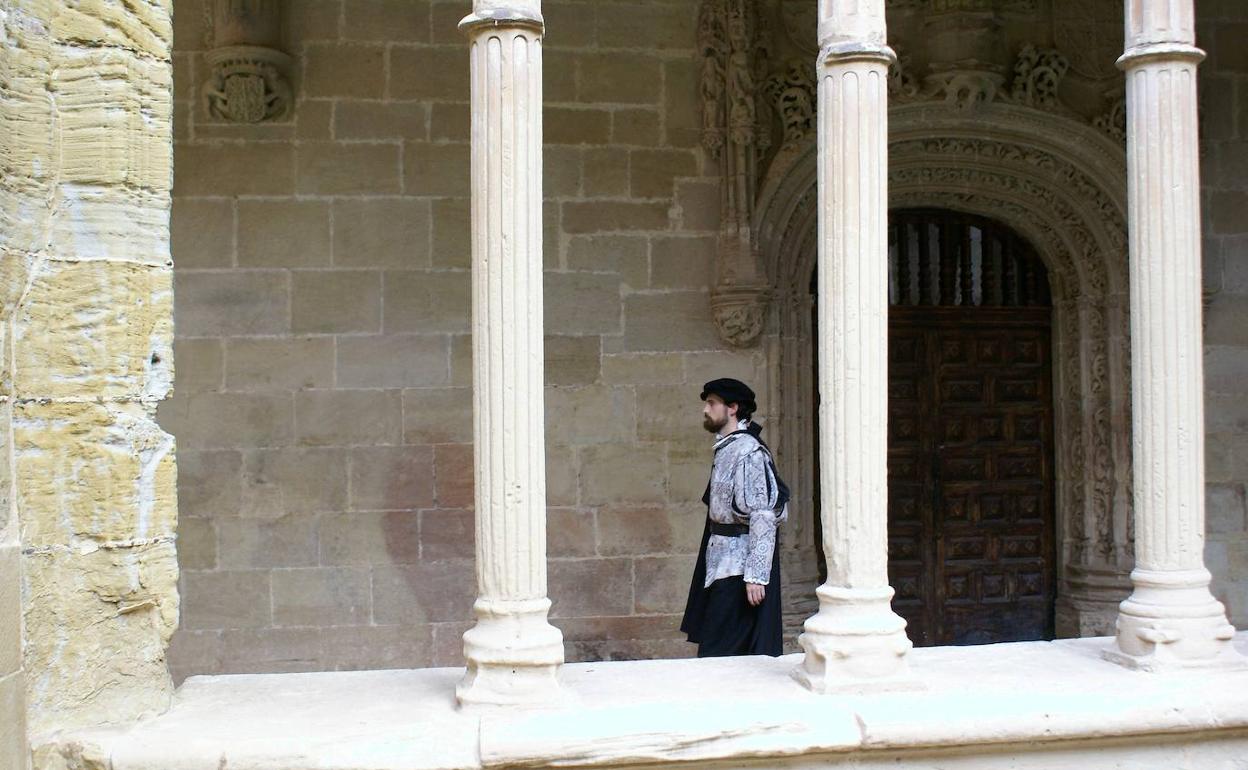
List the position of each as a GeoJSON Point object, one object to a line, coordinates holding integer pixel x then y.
{"type": "Point", "coordinates": [1172, 621]}
{"type": "Point", "coordinates": [854, 641]}
{"type": "Point", "coordinates": [513, 655]}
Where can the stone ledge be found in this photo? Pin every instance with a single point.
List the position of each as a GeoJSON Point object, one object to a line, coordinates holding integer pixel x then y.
{"type": "Point", "coordinates": [1036, 695]}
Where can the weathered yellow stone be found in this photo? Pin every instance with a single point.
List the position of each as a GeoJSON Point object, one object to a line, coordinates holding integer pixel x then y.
{"type": "Point", "coordinates": [113, 223]}
{"type": "Point", "coordinates": [15, 270]}
{"type": "Point", "coordinates": [85, 174]}
{"type": "Point", "coordinates": [114, 118]}
{"type": "Point", "coordinates": [146, 26]}
{"type": "Point", "coordinates": [8, 519]}
{"type": "Point", "coordinates": [62, 754]}
{"type": "Point", "coordinates": [103, 329]}
{"type": "Point", "coordinates": [13, 752]}
{"type": "Point", "coordinates": [10, 610]}
{"type": "Point", "coordinates": [91, 473]}
{"type": "Point", "coordinates": [97, 625]}
{"type": "Point", "coordinates": [26, 154]}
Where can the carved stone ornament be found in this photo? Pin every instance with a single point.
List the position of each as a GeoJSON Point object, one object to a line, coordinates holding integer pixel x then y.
{"type": "Point", "coordinates": [247, 84]}
{"type": "Point", "coordinates": [792, 94]}
{"type": "Point", "coordinates": [901, 81]}
{"type": "Point", "coordinates": [733, 47]}
{"type": "Point", "coordinates": [963, 86]}
{"type": "Point", "coordinates": [1037, 74]}
{"type": "Point", "coordinates": [737, 100]}
{"type": "Point", "coordinates": [1114, 121]}
{"type": "Point", "coordinates": [739, 313]}
{"type": "Point", "coordinates": [247, 81]}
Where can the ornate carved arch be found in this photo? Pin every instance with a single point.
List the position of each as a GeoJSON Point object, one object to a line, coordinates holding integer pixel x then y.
{"type": "Point", "coordinates": [1059, 183]}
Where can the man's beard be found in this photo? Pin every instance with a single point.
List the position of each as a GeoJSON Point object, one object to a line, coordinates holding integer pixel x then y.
{"type": "Point", "coordinates": [711, 426]}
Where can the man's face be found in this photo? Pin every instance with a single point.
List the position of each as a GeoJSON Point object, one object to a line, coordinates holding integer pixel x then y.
{"type": "Point", "coordinates": [716, 414]}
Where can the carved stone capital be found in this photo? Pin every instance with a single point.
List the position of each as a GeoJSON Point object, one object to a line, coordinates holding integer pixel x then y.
{"type": "Point", "coordinates": [248, 78]}
{"type": "Point", "coordinates": [503, 17]}
{"type": "Point", "coordinates": [740, 312]}
{"type": "Point", "coordinates": [247, 84]}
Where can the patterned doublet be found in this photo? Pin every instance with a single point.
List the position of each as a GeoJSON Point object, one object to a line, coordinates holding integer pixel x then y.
{"type": "Point", "coordinates": [743, 490]}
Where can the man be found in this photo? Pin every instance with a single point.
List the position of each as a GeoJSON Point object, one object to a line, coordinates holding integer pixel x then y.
{"type": "Point", "coordinates": [734, 598]}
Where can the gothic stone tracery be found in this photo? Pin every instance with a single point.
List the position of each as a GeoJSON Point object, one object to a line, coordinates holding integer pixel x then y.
{"type": "Point", "coordinates": [733, 48]}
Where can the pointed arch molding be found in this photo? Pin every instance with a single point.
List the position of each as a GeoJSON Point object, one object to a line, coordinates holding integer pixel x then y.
{"type": "Point", "coordinates": [1062, 185]}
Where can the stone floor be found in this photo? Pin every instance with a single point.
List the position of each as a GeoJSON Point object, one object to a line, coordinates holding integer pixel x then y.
{"type": "Point", "coordinates": [729, 711]}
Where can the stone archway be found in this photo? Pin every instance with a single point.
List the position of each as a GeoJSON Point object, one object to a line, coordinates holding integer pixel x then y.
{"type": "Point", "coordinates": [1062, 185]}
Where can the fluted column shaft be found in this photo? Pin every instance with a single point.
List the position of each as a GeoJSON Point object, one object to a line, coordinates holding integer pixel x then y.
{"type": "Point", "coordinates": [855, 633]}
{"type": "Point", "coordinates": [1171, 617]}
{"type": "Point", "coordinates": [513, 652]}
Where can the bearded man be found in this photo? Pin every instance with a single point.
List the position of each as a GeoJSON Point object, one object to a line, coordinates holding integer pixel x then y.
{"type": "Point", "coordinates": [734, 597]}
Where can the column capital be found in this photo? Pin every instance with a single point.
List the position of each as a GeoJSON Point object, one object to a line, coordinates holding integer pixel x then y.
{"type": "Point", "coordinates": [846, 23]}
{"type": "Point", "coordinates": [1138, 55]}
{"type": "Point", "coordinates": [855, 50]}
{"type": "Point", "coordinates": [488, 15]}
{"type": "Point", "coordinates": [1151, 22]}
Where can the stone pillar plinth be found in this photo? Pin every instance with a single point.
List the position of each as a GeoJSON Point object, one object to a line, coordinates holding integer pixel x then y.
{"type": "Point", "coordinates": [855, 635]}
{"type": "Point", "coordinates": [513, 653]}
{"type": "Point", "coordinates": [1171, 618]}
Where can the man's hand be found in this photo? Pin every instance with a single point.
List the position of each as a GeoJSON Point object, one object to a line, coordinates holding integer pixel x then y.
{"type": "Point", "coordinates": [754, 593]}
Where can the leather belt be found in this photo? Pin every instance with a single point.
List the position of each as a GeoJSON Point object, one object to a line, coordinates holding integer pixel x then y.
{"type": "Point", "coordinates": [729, 530]}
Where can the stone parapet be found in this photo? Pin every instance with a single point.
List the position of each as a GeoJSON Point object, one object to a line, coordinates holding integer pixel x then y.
{"type": "Point", "coordinates": [1079, 711]}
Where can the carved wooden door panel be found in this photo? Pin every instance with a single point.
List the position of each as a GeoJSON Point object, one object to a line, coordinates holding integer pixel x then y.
{"type": "Point", "coordinates": [971, 520]}
{"type": "Point", "coordinates": [911, 551]}
{"type": "Point", "coordinates": [971, 536]}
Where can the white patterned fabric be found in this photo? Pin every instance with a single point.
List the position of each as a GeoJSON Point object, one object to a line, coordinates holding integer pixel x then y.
{"type": "Point", "coordinates": [743, 490]}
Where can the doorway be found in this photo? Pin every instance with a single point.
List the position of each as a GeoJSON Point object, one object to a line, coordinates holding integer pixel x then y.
{"type": "Point", "coordinates": [971, 533]}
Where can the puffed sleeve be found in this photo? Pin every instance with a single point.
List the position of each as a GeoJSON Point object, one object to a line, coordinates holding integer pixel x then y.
{"type": "Point", "coordinates": [757, 497]}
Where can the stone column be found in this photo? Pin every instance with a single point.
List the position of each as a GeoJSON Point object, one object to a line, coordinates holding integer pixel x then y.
{"type": "Point", "coordinates": [88, 505]}
{"type": "Point", "coordinates": [1171, 618]}
{"type": "Point", "coordinates": [513, 653]}
{"type": "Point", "coordinates": [855, 634]}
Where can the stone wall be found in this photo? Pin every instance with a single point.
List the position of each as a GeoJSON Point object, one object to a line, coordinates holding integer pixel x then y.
{"type": "Point", "coordinates": [86, 475]}
{"type": "Point", "coordinates": [1224, 137]}
{"type": "Point", "coordinates": [323, 395]}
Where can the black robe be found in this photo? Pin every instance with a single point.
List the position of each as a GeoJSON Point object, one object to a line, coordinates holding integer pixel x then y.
{"type": "Point", "coordinates": [720, 620]}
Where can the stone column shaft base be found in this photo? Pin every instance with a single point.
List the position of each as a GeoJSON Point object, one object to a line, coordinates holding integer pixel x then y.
{"type": "Point", "coordinates": [513, 655]}
{"type": "Point", "coordinates": [855, 641]}
{"type": "Point", "coordinates": [1171, 620]}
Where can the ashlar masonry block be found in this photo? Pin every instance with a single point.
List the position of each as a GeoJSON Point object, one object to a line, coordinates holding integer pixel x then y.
{"type": "Point", "coordinates": [119, 224]}
{"type": "Point", "coordinates": [103, 619]}
{"type": "Point", "coordinates": [92, 474]}
{"type": "Point", "coordinates": [114, 119]}
{"type": "Point", "coordinates": [144, 27]}
{"type": "Point", "coordinates": [98, 327]}
{"type": "Point", "coordinates": [13, 752]}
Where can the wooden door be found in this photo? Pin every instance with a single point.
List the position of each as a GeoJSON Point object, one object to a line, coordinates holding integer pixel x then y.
{"type": "Point", "coordinates": [971, 532]}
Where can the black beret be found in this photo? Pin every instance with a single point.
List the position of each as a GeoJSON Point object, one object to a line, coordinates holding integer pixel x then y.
{"type": "Point", "coordinates": [732, 392]}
